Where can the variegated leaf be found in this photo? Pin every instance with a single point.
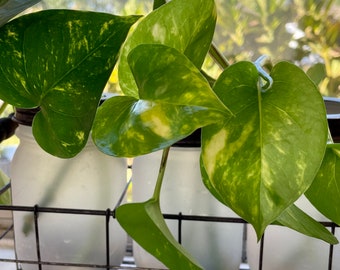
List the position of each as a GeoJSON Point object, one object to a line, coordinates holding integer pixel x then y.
{"type": "Point", "coordinates": [60, 61]}
{"type": "Point", "coordinates": [176, 100]}
{"type": "Point", "coordinates": [292, 217]}
{"type": "Point", "coordinates": [185, 25]}
{"type": "Point", "coordinates": [260, 161]}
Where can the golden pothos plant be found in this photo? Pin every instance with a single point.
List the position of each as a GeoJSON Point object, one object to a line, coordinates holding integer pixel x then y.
{"type": "Point", "coordinates": [264, 129]}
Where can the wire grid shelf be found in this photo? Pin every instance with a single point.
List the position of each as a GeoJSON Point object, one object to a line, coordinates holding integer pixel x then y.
{"type": "Point", "coordinates": [108, 215]}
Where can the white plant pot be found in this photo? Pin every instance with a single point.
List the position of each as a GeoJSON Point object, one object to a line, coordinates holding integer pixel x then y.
{"type": "Point", "coordinates": [217, 246]}
{"type": "Point", "coordinates": [91, 180]}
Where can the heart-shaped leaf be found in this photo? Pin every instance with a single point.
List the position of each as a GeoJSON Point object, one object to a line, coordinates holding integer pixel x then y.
{"type": "Point", "coordinates": [144, 222]}
{"type": "Point", "coordinates": [185, 25]}
{"type": "Point", "coordinates": [60, 61]}
{"type": "Point", "coordinates": [324, 193]}
{"type": "Point", "coordinates": [262, 159]}
{"type": "Point", "coordinates": [176, 99]}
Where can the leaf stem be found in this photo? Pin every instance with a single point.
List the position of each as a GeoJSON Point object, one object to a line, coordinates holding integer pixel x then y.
{"type": "Point", "coordinates": [158, 186]}
{"type": "Point", "coordinates": [218, 57]}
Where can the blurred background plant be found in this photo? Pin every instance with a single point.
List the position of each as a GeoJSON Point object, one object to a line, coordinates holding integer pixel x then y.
{"type": "Point", "coordinates": [305, 32]}
{"type": "Point", "coordinates": [320, 44]}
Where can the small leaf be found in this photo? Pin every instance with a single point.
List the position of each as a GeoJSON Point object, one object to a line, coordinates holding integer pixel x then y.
{"type": "Point", "coordinates": [177, 25]}
{"type": "Point", "coordinates": [176, 100]}
{"type": "Point", "coordinates": [60, 61]}
{"type": "Point", "coordinates": [317, 73]}
{"type": "Point", "coordinates": [262, 159]}
{"type": "Point", "coordinates": [296, 219]}
{"type": "Point", "coordinates": [324, 193]}
{"type": "Point", "coordinates": [144, 222]}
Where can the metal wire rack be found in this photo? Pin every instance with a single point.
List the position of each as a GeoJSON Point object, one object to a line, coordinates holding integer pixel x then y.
{"type": "Point", "coordinates": [108, 215]}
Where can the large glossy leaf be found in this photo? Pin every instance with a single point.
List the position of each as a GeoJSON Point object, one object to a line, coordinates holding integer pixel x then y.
{"type": "Point", "coordinates": [185, 25]}
{"type": "Point", "coordinates": [260, 161]}
{"type": "Point", "coordinates": [176, 99]}
{"type": "Point", "coordinates": [144, 222]}
{"type": "Point", "coordinates": [60, 61]}
{"type": "Point", "coordinates": [292, 217]}
{"type": "Point", "coordinates": [324, 193]}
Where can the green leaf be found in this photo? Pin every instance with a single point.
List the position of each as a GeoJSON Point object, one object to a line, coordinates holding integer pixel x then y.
{"type": "Point", "coordinates": [185, 25]}
{"type": "Point", "coordinates": [317, 73]}
{"type": "Point", "coordinates": [292, 217]}
{"type": "Point", "coordinates": [144, 222]}
{"type": "Point", "coordinates": [60, 61]}
{"type": "Point", "coordinates": [262, 159]}
{"type": "Point", "coordinates": [324, 193]}
{"type": "Point", "coordinates": [296, 219]}
{"type": "Point", "coordinates": [158, 3]}
{"type": "Point", "coordinates": [176, 100]}
{"type": "Point", "coordinates": [5, 198]}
